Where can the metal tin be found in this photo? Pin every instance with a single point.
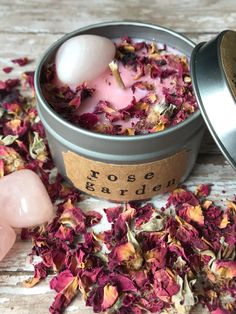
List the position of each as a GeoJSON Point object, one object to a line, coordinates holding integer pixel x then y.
{"type": "Point", "coordinates": [63, 136]}
{"type": "Point", "coordinates": [213, 71]}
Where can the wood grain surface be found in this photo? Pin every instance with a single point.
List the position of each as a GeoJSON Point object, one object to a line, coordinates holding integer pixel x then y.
{"type": "Point", "coordinates": [47, 16]}
{"type": "Point", "coordinates": [27, 28]}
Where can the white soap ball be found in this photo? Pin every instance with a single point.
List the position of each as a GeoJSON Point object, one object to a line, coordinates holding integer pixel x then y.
{"type": "Point", "coordinates": [83, 58]}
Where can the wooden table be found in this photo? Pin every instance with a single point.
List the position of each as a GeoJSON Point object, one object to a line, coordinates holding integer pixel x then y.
{"type": "Point", "coordinates": [27, 28]}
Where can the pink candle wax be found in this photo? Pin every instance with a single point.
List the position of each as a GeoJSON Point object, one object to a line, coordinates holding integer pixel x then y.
{"type": "Point", "coordinates": [106, 87]}
{"type": "Point", "coordinates": [157, 92]}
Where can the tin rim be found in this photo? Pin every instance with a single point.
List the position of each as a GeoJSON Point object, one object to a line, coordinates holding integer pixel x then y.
{"type": "Point", "coordinates": [197, 62]}
{"type": "Point", "coordinates": [82, 131]}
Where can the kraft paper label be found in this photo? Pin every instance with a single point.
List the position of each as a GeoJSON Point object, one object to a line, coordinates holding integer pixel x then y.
{"type": "Point", "coordinates": [228, 58]}
{"type": "Point", "coordinates": [125, 182]}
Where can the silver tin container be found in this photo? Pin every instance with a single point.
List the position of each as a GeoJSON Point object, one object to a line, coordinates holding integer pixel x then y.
{"type": "Point", "coordinates": [121, 168]}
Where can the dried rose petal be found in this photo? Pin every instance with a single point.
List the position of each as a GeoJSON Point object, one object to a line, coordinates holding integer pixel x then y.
{"type": "Point", "coordinates": [73, 217]}
{"type": "Point", "coordinates": [226, 269]}
{"type": "Point", "coordinates": [59, 282]}
{"type": "Point", "coordinates": [40, 272]}
{"type": "Point", "coordinates": [140, 278]}
{"type": "Point", "coordinates": [125, 254]}
{"type": "Point", "coordinates": [29, 79]}
{"type": "Point", "coordinates": [15, 127]}
{"type": "Point", "coordinates": [224, 222]}
{"type": "Point", "coordinates": [7, 69]}
{"type": "Point", "coordinates": [66, 285]}
{"type": "Point", "coordinates": [203, 190]}
{"type": "Point", "coordinates": [180, 196]}
{"type": "Point", "coordinates": [110, 295]}
{"type": "Point", "coordinates": [165, 285]}
{"type": "Point", "coordinates": [113, 213]}
{"type": "Point", "coordinates": [3, 85]}
{"type": "Point", "coordinates": [102, 298]}
{"type": "Point", "coordinates": [92, 218]}
{"type": "Point", "coordinates": [11, 159]}
{"type": "Point", "coordinates": [145, 214]}
{"type": "Point", "coordinates": [88, 120]}
{"type": "Point", "coordinates": [123, 283]}
{"type": "Point", "coordinates": [192, 213]}
{"type": "Point", "coordinates": [156, 258]}
{"type": "Point", "coordinates": [9, 84]}
{"type": "Point", "coordinates": [21, 61]}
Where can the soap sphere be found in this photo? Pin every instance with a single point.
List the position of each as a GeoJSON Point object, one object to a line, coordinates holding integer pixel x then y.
{"type": "Point", "coordinates": [24, 201]}
{"type": "Point", "coordinates": [83, 58]}
{"type": "Point", "coordinates": [7, 238]}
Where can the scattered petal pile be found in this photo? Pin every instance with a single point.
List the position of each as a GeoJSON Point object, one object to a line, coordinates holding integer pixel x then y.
{"type": "Point", "coordinates": [151, 262]}
{"type": "Point", "coordinates": [148, 261]}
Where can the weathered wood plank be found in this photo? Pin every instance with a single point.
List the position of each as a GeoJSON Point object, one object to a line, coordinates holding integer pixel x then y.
{"type": "Point", "coordinates": [14, 46]}
{"type": "Point", "coordinates": [27, 29]}
{"type": "Point", "coordinates": [16, 299]}
{"type": "Point", "coordinates": [16, 260]}
{"type": "Point", "coordinates": [66, 15]}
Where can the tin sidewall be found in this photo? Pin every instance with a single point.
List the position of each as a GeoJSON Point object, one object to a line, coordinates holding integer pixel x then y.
{"type": "Point", "coordinates": [64, 136]}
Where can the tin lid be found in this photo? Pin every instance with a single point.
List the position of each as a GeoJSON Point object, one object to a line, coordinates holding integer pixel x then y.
{"type": "Point", "coordinates": [213, 71]}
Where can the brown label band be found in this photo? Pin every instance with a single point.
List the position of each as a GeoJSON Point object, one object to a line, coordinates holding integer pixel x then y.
{"type": "Point", "coordinates": [125, 182]}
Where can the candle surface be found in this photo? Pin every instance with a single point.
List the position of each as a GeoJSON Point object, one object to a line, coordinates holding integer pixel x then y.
{"type": "Point", "coordinates": [24, 201]}
{"type": "Point", "coordinates": [106, 88]}
{"type": "Point", "coordinates": [149, 91]}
